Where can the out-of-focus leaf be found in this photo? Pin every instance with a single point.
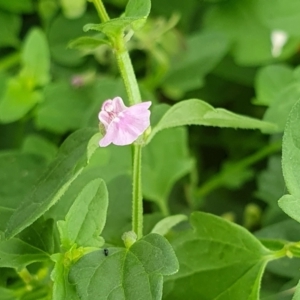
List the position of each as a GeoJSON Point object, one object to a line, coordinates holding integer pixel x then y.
{"type": "Point", "coordinates": [165, 160]}
{"type": "Point", "coordinates": [203, 52]}
{"type": "Point", "coordinates": [164, 225]}
{"type": "Point", "coordinates": [73, 9]}
{"type": "Point", "coordinates": [10, 25]}
{"type": "Point", "coordinates": [18, 99]}
{"type": "Point", "coordinates": [224, 256]}
{"type": "Point", "coordinates": [36, 59]}
{"type": "Point", "coordinates": [71, 159]}
{"type": "Point", "coordinates": [88, 43]}
{"type": "Point", "coordinates": [198, 112]}
{"type": "Point", "coordinates": [126, 273]}
{"type": "Point", "coordinates": [64, 107]}
{"type": "Point", "coordinates": [16, 253]}
{"type": "Point", "coordinates": [16, 6]}
{"type": "Point", "coordinates": [270, 81]}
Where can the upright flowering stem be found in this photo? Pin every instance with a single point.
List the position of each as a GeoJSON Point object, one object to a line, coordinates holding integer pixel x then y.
{"type": "Point", "coordinates": [134, 97]}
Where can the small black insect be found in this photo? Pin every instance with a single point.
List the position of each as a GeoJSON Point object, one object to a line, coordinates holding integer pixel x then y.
{"type": "Point", "coordinates": [105, 251]}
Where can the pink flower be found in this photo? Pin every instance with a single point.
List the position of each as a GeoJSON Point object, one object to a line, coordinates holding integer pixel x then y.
{"type": "Point", "coordinates": [123, 124]}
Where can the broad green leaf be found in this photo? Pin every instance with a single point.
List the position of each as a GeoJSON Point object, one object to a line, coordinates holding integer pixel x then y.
{"type": "Point", "coordinates": [165, 225]}
{"type": "Point", "coordinates": [64, 107]}
{"type": "Point", "coordinates": [10, 25]}
{"type": "Point", "coordinates": [164, 161]}
{"type": "Point", "coordinates": [38, 145]}
{"type": "Point", "coordinates": [203, 52]}
{"type": "Point", "coordinates": [138, 8]}
{"type": "Point", "coordinates": [16, 6]}
{"type": "Point", "coordinates": [36, 59]}
{"type": "Point", "coordinates": [270, 81]}
{"type": "Point", "coordinates": [86, 218]}
{"type": "Point", "coordinates": [131, 273]}
{"type": "Point", "coordinates": [62, 289]}
{"type": "Point", "coordinates": [229, 19]}
{"type": "Point", "coordinates": [17, 254]}
{"type": "Point", "coordinates": [88, 43]}
{"type": "Point", "coordinates": [280, 14]}
{"type": "Point", "coordinates": [71, 160]}
{"type": "Point", "coordinates": [290, 204]}
{"type": "Point", "coordinates": [59, 39]}
{"type": "Point", "coordinates": [73, 9]}
{"type": "Point", "coordinates": [291, 154]}
{"type": "Point", "coordinates": [198, 112]}
{"type": "Point", "coordinates": [18, 99]}
{"type": "Point", "coordinates": [297, 292]}
{"type": "Point", "coordinates": [19, 171]}
{"type": "Point", "coordinates": [218, 260]}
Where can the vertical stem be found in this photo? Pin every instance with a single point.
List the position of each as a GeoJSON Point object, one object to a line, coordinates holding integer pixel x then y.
{"type": "Point", "coordinates": [101, 10]}
{"type": "Point", "coordinates": [134, 97]}
{"type": "Point", "coordinates": [137, 199]}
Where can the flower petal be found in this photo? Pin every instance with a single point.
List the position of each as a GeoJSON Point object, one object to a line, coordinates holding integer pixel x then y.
{"type": "Point", "coordinates": [118, 105]}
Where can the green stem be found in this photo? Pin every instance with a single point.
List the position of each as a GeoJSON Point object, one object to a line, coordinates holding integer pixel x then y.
{"type": "Point", "coordinates": [137, 199]}
{"type": "Point", "coordinates": [218, 180]}
{"type": "Point", "coordinates": [101, 10]}
{"type": "Point", "coordinates": [134, 97]}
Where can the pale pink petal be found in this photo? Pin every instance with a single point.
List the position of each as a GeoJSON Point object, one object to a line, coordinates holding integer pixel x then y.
{"type": "Point", "coordinates": [118, 105]}
{"type": "Point", "coordinates": [104, 118]}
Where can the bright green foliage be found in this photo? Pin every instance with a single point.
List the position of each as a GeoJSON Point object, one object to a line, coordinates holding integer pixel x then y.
{"type": "Point", "coordinates": [86, 217]}
{"type": "Point", "coordinates": [69, 163]}
{"type": "Point", "coordinates": [98, 276]}
{"type": "Point", "coordinates": [198, 112]}
{"type": "Point", "coordinates": [290, 162]}
{"type": "Point", "coordinates": [218, 260]}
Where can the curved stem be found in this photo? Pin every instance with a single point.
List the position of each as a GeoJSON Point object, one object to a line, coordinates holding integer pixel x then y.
{"type": "Point", "coordinates": [101, 10]}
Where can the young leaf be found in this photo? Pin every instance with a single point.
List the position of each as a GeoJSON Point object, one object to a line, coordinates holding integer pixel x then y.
{"type": "Point", "coordinates": [17, 254]}
{"type": "Point", "coordinates": [198, 112]}
{"type": "Point", "coordinates": [164, 225]}
{"type": "Point", "coordinates": [88, 43]}
{"type": "Point", "coordinates": [36, 58]}
{"type": "Point", "coordinates": [71, 159]}
{"type": "Point", "coordinates": [86, 217]}
{"type": "Point", "coordinates": [125, 273]}
{"type": "Point", "coordinates": [224, 259]}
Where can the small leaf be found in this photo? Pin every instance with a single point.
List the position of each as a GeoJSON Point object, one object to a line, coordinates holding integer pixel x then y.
{"type": "Point", "coordinates": [17, 254]}
{"type": "Point", "coordinates": [86, 218]}
{"type": "Point", "coordinates": [18, 99]}
{"type": "Point", "coordinates": [198, 112]}
{"type": "Point", "coordinates": [225, 257]}
{"type": "Point", "coordinates": [164, 225]}
{"type": "Point", "coordinates": [125, 273]}
{"type": "Point", "coordinates": [36, 58]}
{"type": "Point", "coordinates": [138, 8]}
{"type": "Point", "coordinates": [70, 161]}
{"type": "Point", "coordinates": [88, 43]}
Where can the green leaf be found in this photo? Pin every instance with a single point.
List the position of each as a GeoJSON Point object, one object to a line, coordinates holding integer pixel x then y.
{"type": "Point", "coordinates": [36, 59]}
{"type": "Point", "coordinates": [71, 160]}
{"type": "Point", "coordinates": [88, 43]}
{"type": "Point", "coordinates": [64, 107]}
{"type": "Point", "coordinates": [243, 32]}
{"type": "Point", "coordinates": [86, 218]}
{"type": "Point", "coordinates": [198, 112]}
{"type": "Point", "coordinates": [11, 25]}
{"type": "Point", "coordinates": [18, 173]}
{"type": "Point", "coordinates": [125, 273]}
{"type": "Point", "coordinates": [270, 81]}
{"type": "Point", "coordinates": [225, 257]}
{"type": "Point", "coordinates": [138, 8]}
{"type": "Point", "coordinates": [73, 9]}
{"type": "Point", "coordinates": [16, 6]}
{"type": "Point", "coordinates": [165, 160]}
{"type": "Point", "coordinates": [189, 68]}
{"type": "Point", "coordinates": [17, 254]}
{"type": "Point", "coordinates": [165, 225]}
{"type": "Point", "coordinates": [18, 99]}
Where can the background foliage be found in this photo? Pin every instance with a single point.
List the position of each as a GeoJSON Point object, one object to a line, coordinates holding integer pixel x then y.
{"type": "Point", "coordinates": [212, 192]}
